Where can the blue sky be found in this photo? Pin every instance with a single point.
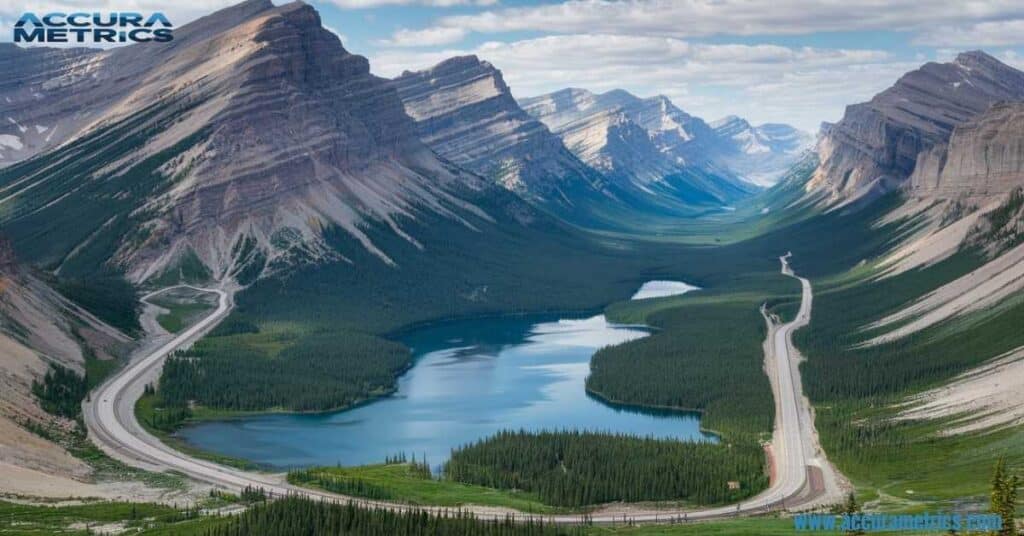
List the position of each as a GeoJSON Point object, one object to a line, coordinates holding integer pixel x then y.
{"type": "Point", "coordinates": [791, 61]}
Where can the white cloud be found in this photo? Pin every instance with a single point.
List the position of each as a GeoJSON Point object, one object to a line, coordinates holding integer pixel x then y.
{"type": "Point", "coordinates": [424, 38]}
{"type": "Point", "coordinates": [365, 4]}
{"type": "Point", "coordinates": [1012, 59]}
{"type": "Point", "coordinates": [991, 33]}
{"type": "Point", "coordinates": [765, 83]}
{"type": "Point", "coordinates": [687, 18]}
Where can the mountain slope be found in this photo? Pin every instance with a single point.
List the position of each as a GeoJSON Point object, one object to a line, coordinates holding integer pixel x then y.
{"type": "Point", "coordinates": [39, 327]}
{"type": "Point", "coordinates": [875, 147]}
{"type": "Point", "coordinates": [464, 111]}
{"type": "Point", "coordinates": [226, 155]}
{"type": "Point", "coordinates": [644, 143]}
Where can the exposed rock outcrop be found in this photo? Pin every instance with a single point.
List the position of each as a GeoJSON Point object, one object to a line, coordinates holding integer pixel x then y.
{"type": "Point", "coordinates": [984, 158]}
{"type": "Point", "coordinates": [465, 112]}
{"type": "Point", "coordinates": [877, 144]}
{"type": "Point", "coordinates": [39, 327]}
{"type": "Point", "coordinates": [231, 148]}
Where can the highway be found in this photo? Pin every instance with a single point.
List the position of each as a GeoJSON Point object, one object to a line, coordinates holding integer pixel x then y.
{"type": "Point", "coordinates": [801, 475]}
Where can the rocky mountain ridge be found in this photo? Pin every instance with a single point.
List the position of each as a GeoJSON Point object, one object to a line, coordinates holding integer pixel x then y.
{"type": "Point", "coordinates": [225, 154]}
{"type": "Point", "coordinates": [671, 139]}
{"type": "Point", "coordinates": [464, 111]}
{"type": "Point", "coordinates": [876, 146]}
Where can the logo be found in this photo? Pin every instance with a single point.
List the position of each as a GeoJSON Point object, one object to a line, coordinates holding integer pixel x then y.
{"type": "Point", "coordinates": [124, 27]}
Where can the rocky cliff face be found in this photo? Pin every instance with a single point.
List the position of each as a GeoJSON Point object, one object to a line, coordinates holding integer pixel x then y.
{"type": "Point", "coordinates": [876, 146]}
{"type": "Point", "coordinates": [227, 152]}
{"type": "Point", "coordinates": [984, 158]}
{"type": "Point", "coordinates": [465, 112]}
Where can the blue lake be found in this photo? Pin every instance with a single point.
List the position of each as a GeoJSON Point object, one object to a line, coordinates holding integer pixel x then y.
{"type": "Point", "coordinates": [471, 378]}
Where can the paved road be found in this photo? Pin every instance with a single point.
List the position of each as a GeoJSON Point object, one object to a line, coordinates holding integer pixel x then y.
{"type": "Point", "coordinates": [110, 418]}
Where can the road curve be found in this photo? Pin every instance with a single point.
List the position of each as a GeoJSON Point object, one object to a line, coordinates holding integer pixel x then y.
{"type": "Point", "coordinates": [110, 418]}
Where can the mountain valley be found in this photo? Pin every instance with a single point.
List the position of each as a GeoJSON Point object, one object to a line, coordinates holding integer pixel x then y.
{"type": "Point", "coordinates": [432, 237]}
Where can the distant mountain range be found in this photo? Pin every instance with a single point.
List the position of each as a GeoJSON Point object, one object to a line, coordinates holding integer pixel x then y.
{"type": "Point", "coordinates": [645, 139]}
{"type": "Point", "coordinates": [759, 154]}
{"type": "Point", "coordinates": [574, 149]}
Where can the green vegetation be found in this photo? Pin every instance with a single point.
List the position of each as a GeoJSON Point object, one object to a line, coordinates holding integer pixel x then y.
{"type": "Point", "coordinates": [84, 201]}
{"type": "Point", "coordinates": [857, 390]}
{"type": "Point", "coordinates": [412, 483]}
{"type": "Point", "coordinates": [162, 420]}
{"type": "Point", "coordinates": [705, 356]}
{"type": "Point", "coordinates": [20, 519]}
{"type": "Point", "coordinates": [999, 228]}
{"type": "Point", "coordinates": [110, 298]}
{"type": "Point", "coordinates": [759, 526]}
{"type": "Point", "coordinates": [181, 316]}
{"type": "Point", "coordinates": [1004, 497]}
{"type": "Point", "coordinates": [840, 370]}
{"type": "Point", "coordinates": [282, 370]}
{"type": "Point", "coordinates": [61, 392]}
{"type": "Point", "coordinates": [295, 516]}
{"type": "Point", "coordinates": [184, 307]}
{"type": "Point", "coordinates": [581, 468]}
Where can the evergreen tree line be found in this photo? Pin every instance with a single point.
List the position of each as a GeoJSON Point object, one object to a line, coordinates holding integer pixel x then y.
{"type": "Point", "coordinates": [61, 392]}
{"type": "Point", "coordinates": [295, 516]}
{"type": "Point", "coordinates": [1004, 497]}
{"type": "Point", "coordinates": [354, 487]}
{"type": "Point", "coordinates": [839, 368]}
{"type": "Point", "coordinates": [318, 372]}
{"type": "Point", "coordinates": [575, 469]}
{"type": "Point", "coordinates": [704, 357]}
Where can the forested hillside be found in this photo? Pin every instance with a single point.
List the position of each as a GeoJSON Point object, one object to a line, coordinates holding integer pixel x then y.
{"type": "Point", "coordinates": [583, 468]}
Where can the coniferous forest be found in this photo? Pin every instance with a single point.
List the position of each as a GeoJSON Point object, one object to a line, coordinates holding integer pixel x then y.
{"type": "Point", "coordinates": [302, 517]}
{"type": "Point", "coordinates": [61, 391]}
{"type": "Point", "coordinates": [582, 468]}
{"type": "Point", "coordinates": [310, 373]}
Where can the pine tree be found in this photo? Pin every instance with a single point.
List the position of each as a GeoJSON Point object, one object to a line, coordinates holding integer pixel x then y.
{"type": "Point", "coordinates": [1004, 497]}
{"type": "Point", "coordinates": [851, 508]}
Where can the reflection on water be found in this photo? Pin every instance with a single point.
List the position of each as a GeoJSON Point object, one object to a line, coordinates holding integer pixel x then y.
{"type": "Point", "coordinates": [660, 289]}
{"type": "Point", "coordinates": [471, 379]}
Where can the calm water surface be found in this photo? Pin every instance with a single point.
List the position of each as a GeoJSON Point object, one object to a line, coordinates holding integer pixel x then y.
{"type": "Point", "coordinates": [471, 378]}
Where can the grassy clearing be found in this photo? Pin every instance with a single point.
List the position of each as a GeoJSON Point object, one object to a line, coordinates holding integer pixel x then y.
{"type": "Point", "coordinates": [184, 307]}
{"type": "Point", "coordinates": [400, 481]}
{"type": "Point", "coordinates": [182, 316]}
{"type": "Point", "coordinates": [23, 520]}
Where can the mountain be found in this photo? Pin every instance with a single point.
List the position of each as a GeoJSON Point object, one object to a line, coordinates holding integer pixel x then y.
{"type": "Point", "coordinates": [759, 154]}
{"type": "Point", "coordinates": [228, 153]}
{"type": "Point", "coordinates": [983, 159]}
{"type": "Point", "coordinates": [646, 143]}
{"type": "Point", "coordinates": [465, 112]}
{"type": "Point", "coordinates": [40, 327]}
{"type": "Point", "coordinates": [877, 144]}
